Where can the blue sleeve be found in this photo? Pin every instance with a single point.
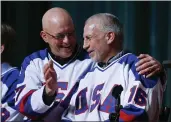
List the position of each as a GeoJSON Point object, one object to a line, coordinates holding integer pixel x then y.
{"type": "Point", "coordinates": [10, 80]}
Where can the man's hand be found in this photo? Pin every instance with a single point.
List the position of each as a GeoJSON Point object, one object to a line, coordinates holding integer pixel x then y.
{"type": "Point", "coordinates": [50, 78]}
{"type": "Point", "coordinates": [148, 66]}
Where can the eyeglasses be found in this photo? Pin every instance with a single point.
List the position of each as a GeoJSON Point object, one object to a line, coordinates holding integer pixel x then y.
{"type": "Point", "coordinates": [61, 36]}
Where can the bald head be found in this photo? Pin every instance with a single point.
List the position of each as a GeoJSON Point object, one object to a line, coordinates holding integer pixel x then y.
{"type": "Point", "coordinates": [56, 17]}
{"type": "Point", "coordinates": [59, 32]}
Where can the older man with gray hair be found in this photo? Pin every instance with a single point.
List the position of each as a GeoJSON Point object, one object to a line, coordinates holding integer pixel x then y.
{"type": "Point", "coordinates": [141, 97]}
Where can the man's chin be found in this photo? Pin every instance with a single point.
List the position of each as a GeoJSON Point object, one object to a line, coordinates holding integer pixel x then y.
{"type": "Point", "coordinates": [94, 59]}
{"type": "Point", "coordinates": [67, 55]}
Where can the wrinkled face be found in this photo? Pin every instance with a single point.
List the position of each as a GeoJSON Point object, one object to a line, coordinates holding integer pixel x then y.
{"type": "Point", "coordinates": [61, 38]}
{"type": "Point", "coordinates": [95, 42]}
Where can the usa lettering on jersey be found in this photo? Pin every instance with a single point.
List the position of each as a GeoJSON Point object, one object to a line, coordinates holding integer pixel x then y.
{"type": "Point", "coordinates": [141, 98]}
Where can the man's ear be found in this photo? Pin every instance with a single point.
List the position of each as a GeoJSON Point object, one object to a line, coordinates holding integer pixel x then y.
{"type": "Point", "coordinates": [44, 36]}
{"type": "Point", "coordinates": [110, 37]}
{"type": "Point", "coordinates": [2, 48]}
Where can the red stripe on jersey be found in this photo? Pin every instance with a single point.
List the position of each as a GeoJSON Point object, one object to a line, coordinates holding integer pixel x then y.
{"type": "Point", "coordinates": [23, 102]}
{"type": "Point", "coordinates": [126, 117]}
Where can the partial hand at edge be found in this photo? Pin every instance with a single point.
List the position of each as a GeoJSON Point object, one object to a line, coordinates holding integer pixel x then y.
{"type": "Point", "coordinates": [148, 65]}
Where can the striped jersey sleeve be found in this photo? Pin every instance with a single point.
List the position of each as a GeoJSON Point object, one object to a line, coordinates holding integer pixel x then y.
{"type": "Point", "coordinates": [8, 85]}
{"type": "Point", "coordinates": [143, 96]}
{"type": "Point", "coordinates": [29, 99]}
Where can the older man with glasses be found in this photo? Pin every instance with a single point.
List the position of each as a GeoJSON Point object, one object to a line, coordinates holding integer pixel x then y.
{"type": "Point", "coordinates": [51, 75]}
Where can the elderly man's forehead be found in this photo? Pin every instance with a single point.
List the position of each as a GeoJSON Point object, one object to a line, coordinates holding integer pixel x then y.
{"type": "Point", "coordinates": [91, 26]}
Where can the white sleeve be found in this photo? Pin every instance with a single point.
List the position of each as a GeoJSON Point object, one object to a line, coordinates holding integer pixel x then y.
{"type": "Point", "coordinates": [142, 99]}
{"type": "Point", "coordinates": [29, 97]}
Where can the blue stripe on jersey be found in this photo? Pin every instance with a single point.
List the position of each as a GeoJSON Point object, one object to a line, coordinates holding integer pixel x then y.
{"type": "Point", "coordinates": [90, 68]}
{"type": "Point", "coordinates": [132, 113]}
{"type": "Point", "coordinates": [131, 60]}
{"type": "Point", "coordinates": [66, 101]}
{"type": "Point", "coordinates": [24, 105]}
{"type": "Point", "coordinates": [9, 77]}
{"type": "Point", "coordinates": [9, 96]}
{"type": "Point", "coordinates": [42, 54]}
{"type": "Point", "coordinates": [10, 80]}
{"type": "Point", "coordinates": [28, 109]}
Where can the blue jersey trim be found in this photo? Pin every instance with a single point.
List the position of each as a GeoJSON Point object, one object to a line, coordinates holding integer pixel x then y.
{"type": "Point", "coordinates": [10, 80]}
{"type": "Point", "coordinates": [42, 54]}
{"type": "Point", "coordinates": [131, 60]}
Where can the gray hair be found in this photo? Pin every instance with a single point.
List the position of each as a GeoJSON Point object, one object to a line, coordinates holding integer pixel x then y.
{"type": "Point", "coordinates": [108, 23]}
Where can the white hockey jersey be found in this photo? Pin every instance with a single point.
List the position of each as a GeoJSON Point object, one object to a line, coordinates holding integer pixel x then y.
{"type": "Point", "coordinates": [29, 93]}
{"type": "Point", "coordinates": [9, 77]}
{"type": "Point", "coordinates": [141, 98]}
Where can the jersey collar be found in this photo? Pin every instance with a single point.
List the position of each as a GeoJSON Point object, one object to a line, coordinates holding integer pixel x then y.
{"type": "Point", "coordinates": [5, 67]}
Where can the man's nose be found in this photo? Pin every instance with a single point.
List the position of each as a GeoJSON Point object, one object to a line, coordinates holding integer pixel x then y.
{"type": "Point", "coordinates": [66, 39]}
{"type": "Point", "coordinates": [85, 45]}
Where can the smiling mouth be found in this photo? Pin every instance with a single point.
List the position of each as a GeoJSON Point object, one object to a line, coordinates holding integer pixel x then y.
{"type": "Point", "coordinates": [68, 47]}
{"type": "Point", "coordinates": [90, 52]}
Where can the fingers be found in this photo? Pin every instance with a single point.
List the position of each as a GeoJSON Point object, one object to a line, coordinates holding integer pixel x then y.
{"type": "Point", "coordinates": [49, 71]}
{"type": "Point", "coordinates": [150, 71]}
{"type": "Point", "coordinates": [148, 65]}
{"type": "Point", "coordinates": [151, 74]}
{"type": "Point", "coordinates": [45, 68]}
{"type": "Point", "coordinates": [47, 74]}
{"type": "Point", "coordinates": [145, 71]}
{"type": "Point", "coordinates": [142, 56]}
{"type": "Point", "coordinates": [145, 65]}
{"type": "Point", "coordinates": [50, 77]}
{"type": "Point", "coordinates": [143, 59]}
{"type": "Point", "coordinates": [50, 87]}
{"type": "Point", "coordinates": [50, 83]}
{"type": "Point", "coordinates": [50, 64]}
{"type": "Point", "coordinates": [48, 80]}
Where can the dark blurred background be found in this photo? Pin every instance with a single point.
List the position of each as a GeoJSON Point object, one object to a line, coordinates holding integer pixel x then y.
{"type": "Point", "coordinates": [147, 26]}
